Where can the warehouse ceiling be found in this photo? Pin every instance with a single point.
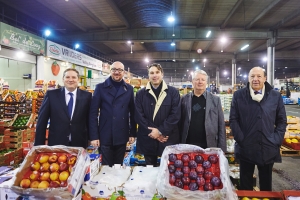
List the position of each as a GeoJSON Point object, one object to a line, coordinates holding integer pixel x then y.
{"type": "Point", "coordinates": [104, 27]}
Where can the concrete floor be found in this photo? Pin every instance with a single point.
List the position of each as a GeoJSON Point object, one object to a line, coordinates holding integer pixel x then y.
{"type": "Point", "coordinates": [286, 175]}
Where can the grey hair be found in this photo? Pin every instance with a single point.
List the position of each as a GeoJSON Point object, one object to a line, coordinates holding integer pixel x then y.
{"type": "Point", "coordinates": [199, 72]}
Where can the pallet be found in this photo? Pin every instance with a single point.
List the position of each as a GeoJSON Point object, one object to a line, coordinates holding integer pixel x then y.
{"type": "Point", "coordinates": [287, 151]}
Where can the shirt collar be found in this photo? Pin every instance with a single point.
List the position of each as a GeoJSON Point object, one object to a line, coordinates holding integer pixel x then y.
{"type": "Point", "coordinates": [204, 94]}
{"type": "Point", "coordinates": [67, 91]}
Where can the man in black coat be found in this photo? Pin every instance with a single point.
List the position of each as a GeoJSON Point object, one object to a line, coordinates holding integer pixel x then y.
{"type": "Point", "coordinates": [114, 125]}
{"type": "Point", "coordinates": [68, 111]}
{"type": "Point", "coordinates": [258, 123]}
{"type": "Point", "coordinates": [157, 114]}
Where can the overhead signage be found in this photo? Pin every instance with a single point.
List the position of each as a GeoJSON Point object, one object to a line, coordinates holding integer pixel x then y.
{"type": "Point", "coordinates": [19, 39]}
{"type": "Point", "coordinates": [60, 52]}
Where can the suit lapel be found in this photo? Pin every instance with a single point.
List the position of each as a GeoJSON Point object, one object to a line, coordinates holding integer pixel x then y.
{"type": "Point", "coordinates": [62, 99]}
{"type": "Point", "coordinates": [121, 91]}
{"type": "Point", "coordinates": [190, 97]}
{"type": "Point", "coordinates": [77, 104]}
{"type": "Point", "coordinates": [208, 104]}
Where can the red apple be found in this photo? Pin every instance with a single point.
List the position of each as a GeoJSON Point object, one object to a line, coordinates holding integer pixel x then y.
{"type": "Point", "coordinates": [54, 184]}
{"type": "Point", "coordinates": [34, 184]}
{"type": "Point", "coordinates": [72, 160]}
{"type": "Point", "coordinates": [63, 176]}
{"type": "Point", "coordinates": [53, 158]}
{"type": "Point", "coordinates": [54, 167]}
{"type": "Point", "coordinates": [54, 176]}
{"type": "Point", "coordinates": [35, 166]}
{"type": "Point", "coordinates": [43, 184]}
{"type": "Point", "coordinates": [45, 167]}
{"type": "Point", "coordinates": [25, 183]}
{"type": "Point", "coordinates": [44, 158]}
{"type": "Point", "coordinates": [63, 184]}
{"type": "Point", "coordinates": [62, 159]}
{"type": "Point", "coordinates": [44, 176]}
{"type": "Point", "coordinates": [63, 166]}
{"type": "Point", "coordinates": [34, 176]}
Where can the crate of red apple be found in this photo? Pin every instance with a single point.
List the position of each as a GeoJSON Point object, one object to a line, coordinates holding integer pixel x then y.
{"type": "Point", "coordinates": [52, 171]}
{"type": "Point", "coordinates": [190, 172]}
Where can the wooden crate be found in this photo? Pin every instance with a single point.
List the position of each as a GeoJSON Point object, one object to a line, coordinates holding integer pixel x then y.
{"type": "Point", "coordinates": [287, 151]}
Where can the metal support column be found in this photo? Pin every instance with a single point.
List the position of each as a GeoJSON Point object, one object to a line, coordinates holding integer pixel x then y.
{"type": "Point", "coordinates": [233, 74]}
{"type": "Point", "coordinates": [218, 77]}
{"type": "Point", "coordinates": [271, 59]}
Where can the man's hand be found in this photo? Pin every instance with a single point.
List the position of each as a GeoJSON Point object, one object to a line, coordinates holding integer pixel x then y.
{"type": "Point", "coordinates": [162, 138]}
{"type": "Point", "coordinates": [95, 143]}
{"type": "Point", "coordinates": [131, 140]}
{"type": "Point", "coordinates": [154, 133]}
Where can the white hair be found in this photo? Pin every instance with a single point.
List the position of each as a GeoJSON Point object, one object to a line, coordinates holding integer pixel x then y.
{"type": "Point", "coordinates": [199, 72]}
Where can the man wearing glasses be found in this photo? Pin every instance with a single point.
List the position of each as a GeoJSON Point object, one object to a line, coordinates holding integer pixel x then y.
{"type": "Point", "coordinates": [157, 114]}
{"type": "Point", "coordinates": [113, 104]}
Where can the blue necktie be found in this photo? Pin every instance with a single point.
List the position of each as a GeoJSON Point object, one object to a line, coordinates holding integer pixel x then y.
{"type": "Point", "coordinates": [70, 104]}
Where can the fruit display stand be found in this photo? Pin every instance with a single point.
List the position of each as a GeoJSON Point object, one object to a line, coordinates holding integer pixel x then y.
{"type": "Point", "coordinates": [264, 195]}
{"type": "Point", "coordinates": [74, 180]}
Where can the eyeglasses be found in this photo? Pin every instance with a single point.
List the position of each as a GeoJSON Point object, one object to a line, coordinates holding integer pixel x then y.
{"type": "Point", "coordinates": [117, 70]}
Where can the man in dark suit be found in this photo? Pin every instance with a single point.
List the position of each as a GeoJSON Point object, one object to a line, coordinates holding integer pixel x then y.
{"type": "Point", "coordinates": [115, 100]}
{"type": "Point", "coordinates": [68, 111]}
{"type": "Point", "coordinates": [202, 119]}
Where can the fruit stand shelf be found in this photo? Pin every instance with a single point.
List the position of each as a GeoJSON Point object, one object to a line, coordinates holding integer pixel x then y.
{"type": "Point", "coordinates": [287, 151]}
{"type": "Point", "coordinates": [260, 194]}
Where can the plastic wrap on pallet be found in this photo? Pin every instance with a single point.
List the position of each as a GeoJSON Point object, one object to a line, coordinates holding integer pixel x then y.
{"type": "Point", "coordinates": [171, 192]}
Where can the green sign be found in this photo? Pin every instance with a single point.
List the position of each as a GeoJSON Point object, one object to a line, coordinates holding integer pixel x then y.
{"type": "Point", "coordinates": [16, 38]}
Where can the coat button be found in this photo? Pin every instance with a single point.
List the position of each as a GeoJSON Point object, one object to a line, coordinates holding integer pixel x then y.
{"type": "Point", "coordinates": [123, 118]}
{"type": "Point", "coordinates": [151, 104]}
{"type": "Point", "coordinates": [114, 117]}
{"type": "Point", "coordinates": [259, 117]}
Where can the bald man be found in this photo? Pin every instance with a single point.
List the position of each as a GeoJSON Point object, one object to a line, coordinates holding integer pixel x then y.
{"type": "Point", "coordinates": [258, 122]}
{"type": "Point", "coordinates": [112, 121]}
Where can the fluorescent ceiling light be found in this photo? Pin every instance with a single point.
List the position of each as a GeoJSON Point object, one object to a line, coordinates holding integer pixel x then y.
{"type": "Point", "coordinates": [244, 47]}
{"type": "Point", "coordinates": [208, 34]}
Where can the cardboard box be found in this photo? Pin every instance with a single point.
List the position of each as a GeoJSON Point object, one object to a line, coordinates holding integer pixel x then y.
{"type": "Point", "coordinates": [74, 182]}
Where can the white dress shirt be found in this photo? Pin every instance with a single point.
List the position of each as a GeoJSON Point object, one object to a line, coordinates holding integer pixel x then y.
{"type": "Point", "coordinates": [68, 99]}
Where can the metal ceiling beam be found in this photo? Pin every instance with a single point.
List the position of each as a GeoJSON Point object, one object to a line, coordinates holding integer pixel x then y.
{"type": "Point", "coordinates": [293, 46]}
{"type": "Point", "coordinates": [283, 44]}
{"type": "Point", "coordinates": [207, 46]}
{"type": "Point", "coordinates": [118, 13]}
{"type": "Point", "coordinates": [184, 55]}
{"type": "Point", "coordinates": [285, 20]}
{"type": "Point", "coordinates": [204, 8]}
{"type": "Point", "coordinates": [235, 7]}
{"type": "Point", "coordinates": [260, 15]}
{"type": "Point", "coordinates": [53, 9]}
{"type": "Point", "coordinates": [165, 35]}
{"type": "Point", "coordinates": [90, 14]}
{"type": "Point", "coordinates": [25, 12]}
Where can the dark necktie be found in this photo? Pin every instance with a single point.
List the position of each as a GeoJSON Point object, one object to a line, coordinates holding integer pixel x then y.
{"type": "Point", "coordinates": [70, 104]}
{"type": "Point", "coordinates": [256, 92]}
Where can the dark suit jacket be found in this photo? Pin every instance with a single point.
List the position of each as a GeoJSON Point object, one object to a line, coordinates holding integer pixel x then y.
{"type": "Point", "coordinates": [54, 108]}
{"type": "Point", "coordinates": [116, 107]}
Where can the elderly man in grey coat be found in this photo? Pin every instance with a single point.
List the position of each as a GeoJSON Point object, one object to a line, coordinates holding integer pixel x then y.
{"type": "Point", "coordinates": [202, 119]}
